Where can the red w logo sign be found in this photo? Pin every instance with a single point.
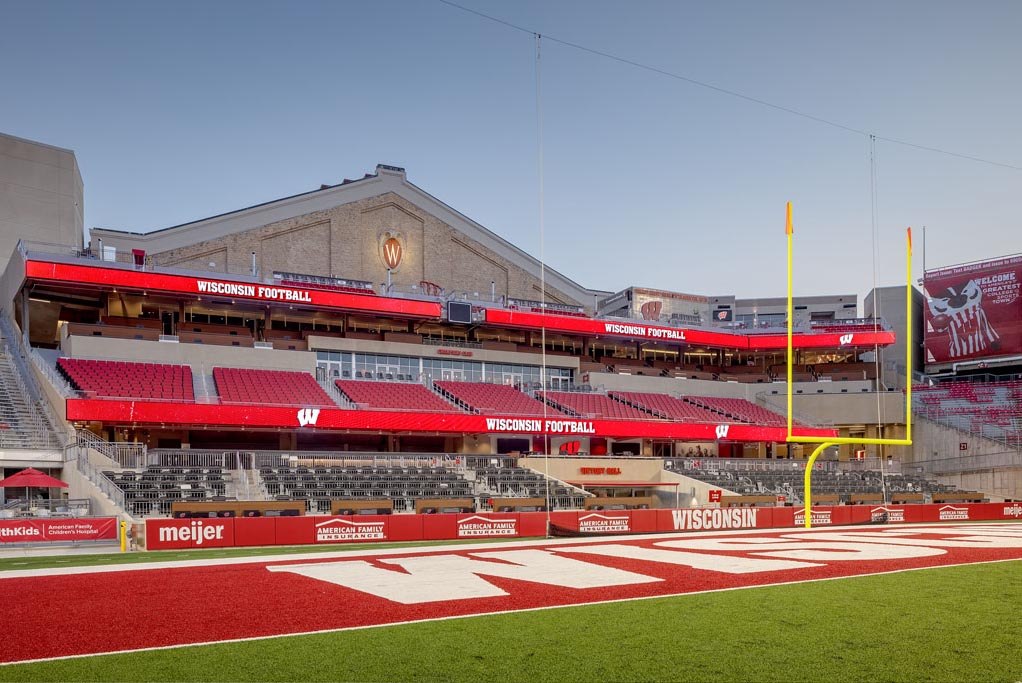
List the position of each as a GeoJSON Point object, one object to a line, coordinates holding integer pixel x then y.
{"type": "Point", "coordinates": [570, 447]}
{"type": "Point", "coordinates": [651, 310]}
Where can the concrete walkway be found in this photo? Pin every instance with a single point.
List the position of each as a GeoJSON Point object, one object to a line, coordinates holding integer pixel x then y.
{"type": "Point", "coordinates": [31, 550]}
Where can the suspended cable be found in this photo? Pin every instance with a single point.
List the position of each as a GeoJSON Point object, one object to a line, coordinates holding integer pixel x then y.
{"type": "Point", "coordinates": [544, 381]}
{"type": "Point", "coordinates": [874, 219]}
{"type": "Point", "coordinates": [731, 93]}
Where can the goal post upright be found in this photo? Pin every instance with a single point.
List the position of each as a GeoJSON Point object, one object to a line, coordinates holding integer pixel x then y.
{"type": "Point", "coordinates": [824, 442]}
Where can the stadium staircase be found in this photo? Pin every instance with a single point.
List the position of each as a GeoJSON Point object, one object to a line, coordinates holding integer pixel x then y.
{"type": "Point", "coordinates": [203, 387]}
{"type": "Point", "coordinates": [94, 460]}
{"type": "Point", "coordinates": [506, 480]}
{"type": "Point", "coordinates": [244, 482]}
{"type": "Point", "coordinates": [335, 394]}
{"type": "Point", "coordinates": [26, 418]}
{"type": "Point", "coordinates": [388, 395]}
{"type": "Point", "coordinates": [598, 405]}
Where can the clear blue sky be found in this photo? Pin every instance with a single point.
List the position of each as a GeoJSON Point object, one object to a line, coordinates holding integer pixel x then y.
{"type": "Point", "coordinates": [182, 110]}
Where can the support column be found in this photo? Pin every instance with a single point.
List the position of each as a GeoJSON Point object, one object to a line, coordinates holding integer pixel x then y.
{"type": "Point", "coordinates": [25, 323]}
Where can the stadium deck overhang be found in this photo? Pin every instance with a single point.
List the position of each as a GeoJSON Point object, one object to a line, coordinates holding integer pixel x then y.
{"type": "Point", "coordinates": [190, 416]}
{"type": "Point", "coordinates": [62, 275]}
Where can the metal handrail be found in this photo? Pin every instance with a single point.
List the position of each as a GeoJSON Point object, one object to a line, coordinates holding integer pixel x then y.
{"type": "Point", "coordinates": [970, 463]}
{"type": "Point", "coordinates": [46, 435]}
{"type": "Point", "coordinates": [59, 383]}
{"type": "Point", "coordinates": [711, 463]}
{"type": "Point", "coordinates": [56, 507]}
{"type": "Point", "coordinates": [125, 454]}
{"type": "Point", "coordinates": [102, 482]}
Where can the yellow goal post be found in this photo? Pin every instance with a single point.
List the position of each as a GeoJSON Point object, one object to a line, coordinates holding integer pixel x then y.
{"type": "Point", "coordinates": [825, 442]}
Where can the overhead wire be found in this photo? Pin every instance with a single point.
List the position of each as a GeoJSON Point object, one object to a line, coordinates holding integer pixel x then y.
{"type": "Point", "coordinates": [543, 380]}
{"type": "Point", "coordinates": [729, 92]}
{"type": "Point", "coordinates": [874, 218]}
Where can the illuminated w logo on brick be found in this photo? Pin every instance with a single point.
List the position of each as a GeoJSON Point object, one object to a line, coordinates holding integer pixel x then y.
{"type": "Point", "coordinates": [392, 253]}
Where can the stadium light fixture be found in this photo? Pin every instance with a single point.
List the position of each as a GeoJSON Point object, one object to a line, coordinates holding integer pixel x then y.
{"type": "Point", "coordinates": [823, 442]}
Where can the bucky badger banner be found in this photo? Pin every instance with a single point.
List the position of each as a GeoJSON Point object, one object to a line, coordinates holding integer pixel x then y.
{"type": "Point", "coordinates": [974, 311]}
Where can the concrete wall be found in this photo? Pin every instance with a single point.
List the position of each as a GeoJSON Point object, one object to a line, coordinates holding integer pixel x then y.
{"type": "Point", "coordinates": [10, 284]}
{"type": "Point", "coordinates": [998, 484]}
{"type": "Point", "coordinates": [199, 356]}
{"type": "Point", "coordinates": [632, 469]}
{"type": "Point", "coordinates": [41, 195]}
{"type": "Point", "coordinates": [568, 469]}
{"type": "Point", "coordinates": [889, 303]}
{"type": "Point", "coordinates": [692, 492]}
{"type": "Point", "coordinates": [934, 441]}
{"type": "Point", "coordinates": [843, 409]}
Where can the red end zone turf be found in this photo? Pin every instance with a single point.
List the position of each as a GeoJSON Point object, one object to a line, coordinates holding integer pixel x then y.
{"type": "Point", "coordinates": [57, 613]}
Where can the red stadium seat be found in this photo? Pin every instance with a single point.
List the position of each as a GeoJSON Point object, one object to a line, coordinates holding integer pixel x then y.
{"type": "Point", "coordinates": [495, 399]}
{"type": "Point", "coordinates": [595, 405]}
{"type": "Point", "coordinates": [270, 387]}
{"type": "Point", "coordinates": [393, 396]}
{"type": "Point", "coordinates": [119, 379]}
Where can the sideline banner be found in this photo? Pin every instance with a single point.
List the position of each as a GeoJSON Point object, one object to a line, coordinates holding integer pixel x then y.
{"type": "Point", "coordinates": [166, 534]}
{"type": "Point", "coordinates": [58, 530]}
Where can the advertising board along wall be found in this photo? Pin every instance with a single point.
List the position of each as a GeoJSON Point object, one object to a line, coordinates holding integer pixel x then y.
{"type": "Point", "coordinates": [167, 534]}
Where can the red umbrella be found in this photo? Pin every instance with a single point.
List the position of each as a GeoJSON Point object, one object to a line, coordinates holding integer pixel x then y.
{"type": "Point", "coordinates": [32, 478]}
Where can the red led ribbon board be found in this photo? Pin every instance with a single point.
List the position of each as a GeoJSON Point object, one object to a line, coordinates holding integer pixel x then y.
{"type": "Point", "coordinates": [255, 416]}
{"type": "Point", "coordinates": [224, 289]}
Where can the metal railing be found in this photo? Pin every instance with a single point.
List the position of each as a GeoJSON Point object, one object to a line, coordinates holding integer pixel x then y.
{"type": "Point", "coordinates": [962, 422]}
{"type": "Point", "coordinates": [52, 507]}
{"type": "Point", "coordinates": [889, 466]}
{"type": "Point", "coordinates": [433, 341]}
{"type": "Point", "coordinates": [125, 454]}
{"type": "Point", "coordinates": [58, 381]}
{"type": "Point", "coordinates": [28, 418]}
{"type": "Point", "coordinates": [240, 459]}
{"type": "Point", "coordinates": [713, 463]}
{"type": "Point", "coordinates": [256, 459]}
{"type": "Point", "coordinates": [96, 476]}
{"type": "Point", "coordinates": [969, 463]}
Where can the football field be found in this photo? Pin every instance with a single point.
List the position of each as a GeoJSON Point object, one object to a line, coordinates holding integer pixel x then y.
{"type": "Point", "coordinates": [863, 603]}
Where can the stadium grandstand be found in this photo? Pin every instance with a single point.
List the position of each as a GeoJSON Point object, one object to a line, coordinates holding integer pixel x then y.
{"type": "Point", "coordinates": [363, 346]}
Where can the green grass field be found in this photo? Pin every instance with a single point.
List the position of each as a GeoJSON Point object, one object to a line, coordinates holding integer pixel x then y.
{"type": "Point", "coordinates": [947, 624]}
